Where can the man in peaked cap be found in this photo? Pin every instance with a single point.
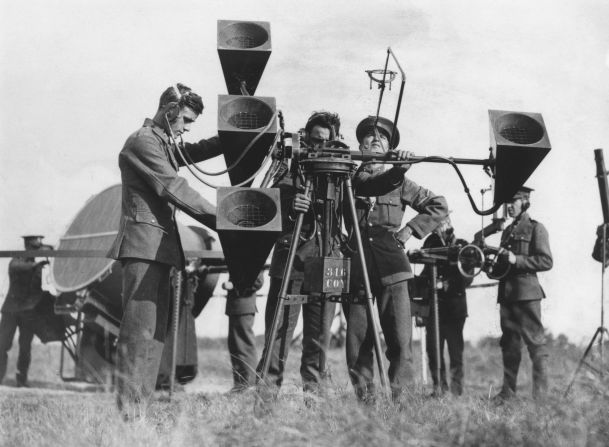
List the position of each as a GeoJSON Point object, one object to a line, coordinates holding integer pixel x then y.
{"type": "Point", "coordinates": [383, 126]}
{"type": "Point", "coordinates": [24, 294]}
{"type": "Point", "coordinates": [381, 200]}
{"type": "Point", "coordinates": [520, 294]}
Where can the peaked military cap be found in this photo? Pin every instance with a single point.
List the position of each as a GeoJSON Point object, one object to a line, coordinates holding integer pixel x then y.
{"type": "Point", "coordinates": [523, 192]}
{"type": "Point", "coordinates": [384, 126]}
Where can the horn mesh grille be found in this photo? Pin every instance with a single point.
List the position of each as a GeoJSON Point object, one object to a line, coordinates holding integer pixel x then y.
{"type": "Point", "coordinates": [244, 35]}
{"type": "Point", "coordinates": [242, 42]}
{"type": "Point", "coordinates": [519, 128]}
{"type": "Point", "coordinates": [520, 135]}
{"type": "Point", "coordinates": [248, 216]}
{"type": "Point", "coordinates": [247, 120]}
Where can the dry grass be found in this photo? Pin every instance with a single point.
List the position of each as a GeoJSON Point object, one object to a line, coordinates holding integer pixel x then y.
{"type": "Point", "coordinates": [205, 416]}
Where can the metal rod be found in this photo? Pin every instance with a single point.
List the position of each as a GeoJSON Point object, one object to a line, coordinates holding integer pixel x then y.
{"type": "Point", "coordinates": [600, 341]}
{"type": "Point", "coordinates": [436, 327]}
{"type": "Point", "coordinates": [175, 321]}
{"type": "Point", "coordinates": [383, 158]}
{"type": "Point", "coordinates": [369, 305]}
{"type": "Point", "coordinates": [210, 256]}
{"type": "Point", "coordinates": [382, 87]}
{"type": "Point", "coordinates": [399, 104]}
{"type": "Point", "coordinates": [324, 336]}
{"type": "Point", "coordinates": [85, 236]}
{"type": "Point", "coordinates": [423, 355]}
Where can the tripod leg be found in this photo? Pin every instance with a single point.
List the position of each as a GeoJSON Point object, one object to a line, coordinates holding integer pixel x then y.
{"type": "Point", "coordinates": [283, 291]}
{"type": "Point", "coordinates": [582, 360]}
{"type": "Point", "coordinates": [368, 290]}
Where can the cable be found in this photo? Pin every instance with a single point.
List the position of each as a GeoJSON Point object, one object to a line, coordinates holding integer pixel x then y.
{"type": "Point", "coordinates": [243, 154]}
{"type": "Point", "coordinates": [189, 163]}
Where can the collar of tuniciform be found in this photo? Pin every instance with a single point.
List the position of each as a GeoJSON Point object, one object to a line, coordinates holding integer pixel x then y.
{"type": "Point", "coordinates": [157, 129]}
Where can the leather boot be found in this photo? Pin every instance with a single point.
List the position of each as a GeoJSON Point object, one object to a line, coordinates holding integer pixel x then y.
{"type": "Point", "coordinates": [22, 380]}
{"type": "Point", "coordinates": [540, 378]}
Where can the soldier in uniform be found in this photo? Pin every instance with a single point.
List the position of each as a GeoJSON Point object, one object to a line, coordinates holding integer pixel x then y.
{"type": "Point", "coordinates": [452, 311]}
{"type": "Point", "coordinates": [320, 127]}
{"type": "Point", "coordinates": [382, 199]}
{"type": "Point", "coordinates": [520, 294]}
{"type": "Point", "coordinates": [23, 296]}
{"type": "Point", "coordinates": [148, 242]}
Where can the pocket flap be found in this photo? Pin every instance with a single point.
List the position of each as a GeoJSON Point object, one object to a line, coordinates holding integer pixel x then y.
{"type": "Point", "coordinates": [389, 199]}
{"type": "Point", "coordinates": [148, 218]}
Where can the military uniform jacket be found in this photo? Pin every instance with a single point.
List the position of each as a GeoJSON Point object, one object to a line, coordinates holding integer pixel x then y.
{"type": "Point", "coordinates": [152, 190]}
{"type": "Point", "coordinates": [24, 291]}
{"type": "Point", "coordinates": [452, 299]}
{"type": "Point", "coordinates": [289, 185]}
{"type": "Point", "coordinates": [529, 241]}
{"type": "Point", "coordinates": [380, 218]}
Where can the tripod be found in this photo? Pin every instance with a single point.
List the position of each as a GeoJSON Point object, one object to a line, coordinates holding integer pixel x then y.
{"type": "Point", "coordinates": [329, 278]}
{"type": "Point", "coordinates": [601, 331]}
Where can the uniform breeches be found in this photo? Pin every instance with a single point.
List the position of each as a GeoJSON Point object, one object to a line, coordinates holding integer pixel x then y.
{"type": "Point", "coordinates": [522, 321]}
{"type": "Point", "coordinates": [9, 322]}
{"type": "Point", "coordinates": [146, 297]}
{"type": "Point", "coordinates": [241, 312]}
{"type": "Point", "coordinates": [396, 323]}
{"type": "Point", "coordinates": [316, 316]}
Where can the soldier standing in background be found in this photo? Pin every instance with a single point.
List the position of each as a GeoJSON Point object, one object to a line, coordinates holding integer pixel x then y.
{"type": "Point", "coordinates": [24, 294]}
{"type": "Point", "coordinates": [520, 296]}
{"type": "Point", "coordinates": [452, 310]}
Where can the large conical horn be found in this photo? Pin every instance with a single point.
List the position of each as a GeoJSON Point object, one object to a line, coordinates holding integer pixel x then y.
{"type": "Point", "coordinates": [519, 142]}
{"type": "Point", "coordinates": [244, 49]}
{"type": "Point", "coordinates": [241, 119]}
{"type": "Point", "coordinates": [248, 223]}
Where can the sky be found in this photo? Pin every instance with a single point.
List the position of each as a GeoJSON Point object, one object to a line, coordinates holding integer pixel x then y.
{"type": "Point", "coordinates": [78, 77]}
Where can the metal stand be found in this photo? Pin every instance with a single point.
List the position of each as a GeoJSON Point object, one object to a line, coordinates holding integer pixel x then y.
{"type": "Point", "coordinates": [436, 326]}
{"type": "Point", "coordinates": [431, 257]}
{"type": "Point", "coordinates": [175, 321]}
{"type": "Point", "coordinates": [601, 330]}
{"type": "Point", "coordinates": [337, 173]}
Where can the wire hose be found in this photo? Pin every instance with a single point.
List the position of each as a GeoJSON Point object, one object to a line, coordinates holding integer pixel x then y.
{"type": "Point", "coordinates": [189, 163]}
{"type": "Point", "coordinates": [243, 154]}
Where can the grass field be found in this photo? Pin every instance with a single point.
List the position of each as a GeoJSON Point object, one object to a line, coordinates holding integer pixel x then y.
{"type": "Point", "coordinates": [54, 413]}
